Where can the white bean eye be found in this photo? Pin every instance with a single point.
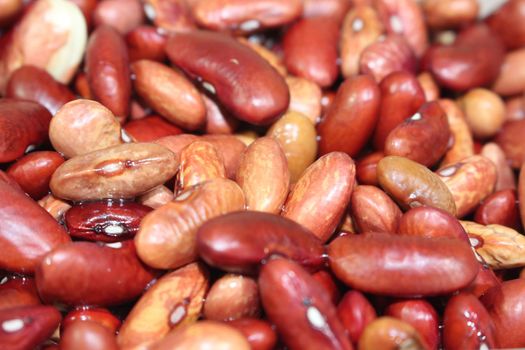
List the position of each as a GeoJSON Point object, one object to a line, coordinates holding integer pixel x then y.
{"type": "Point", "coordinates": [14, 325]}
{"type": "Point", "coordinates": [315, 317]}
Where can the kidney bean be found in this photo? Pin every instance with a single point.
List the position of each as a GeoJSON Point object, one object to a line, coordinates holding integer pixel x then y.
{"type": "Point", "coordinates": [327, 186]}
{"type": "Point", "coordinates": [412, 184]}
{"type": "Point", "coordinates": [170, 16]}
{"type": "Point", "coordinates": [273, 58]}
{"type": "Point", "coordinates": [485, 280]}
{"type": "Point", "coordinates": [27, 327]}
{"type": "Point", "coordinates": [373, 210]}
{"type": "Point", "coordinates": [327, 100]}
{"type": "Point", "coordinates": [107, 70]}
{"type": "Point", "coordinates": [199, 162]}
{"type": "Point", "coordinates": [204, 335]}
{"type": "Point", "coordinates": [506, 22]}
{"type": "Point", "coordinates": [27, 232]}
{"type": "Point", "coordinates": [156, 197]}
{"type": "Point", "coordinates": [473, 60]}
{"type": "Point", "coordinates": [85, 335]}
{"type": "Point", "coordinates": [305, 98]}
{"type": "Point", "coordinates": [83, 126]}
{"type": "Point", "coordinates": [387, 55]}
{"type": "Point", "coordinates": [511, 80]}
{"type": "Point", "coordinates": [150, 128]}
{"type": "Point", "coordinates": [401, 97]}
{"type": "Point", "coordinates": [217, 121]}
{"type": "Point", "coordinates": [449, 13]}
{"type": "Point", "coordinates": [263, 176]}
{"type": "Point", "coordinates": [167, 236]}
{"type": "Point", "coordinates": [229, 241]}
{"type": "Point", "coordinates": [174, 301]}
{"type": "Point", "coordinates": [402, 266]}
{"type": "Point", "coordinates": [30, 42]}
{"type": "Point", "coordinates": [33, 172]}
{"type": "Point", "coordinates": [232, 297]}
{"type": "Point", "coordinates": [85, 273]}
{"type": "Point", "coordinates": [484, 112]}
{"type": "Point", "coordinates": [18, 291]}
{"type": "Point", "coordinates": [24, 125]}
{"type": "Point", "coordinates": [499, 246]}
{"type": "Point", "coordinates": [231, 150]}
{"type": "Point", "coordinates": [298, 140]}
{"type": "Point", "coordinates": [7, 179]}
{"type": "Point", "coordinates": [429, 86]}
{"type": "Point", "coordinates": [499, 208]}
{"type": "Point", "coordinates": [310, 49]}
{"type": "Point", "coordinates": [241, 16]}
{"type": "Point", "coordinates": [300, 308]}
{"type": "Point", "coordinates": [366, 168]}
{"type": "Point", "coordinates": [423, 137]}
{"type": "Point", "coordinates": [509, 139]}
{"type": "Point", "coordinates": [35, 84]}
{"type": "Point", "coordinates": [355, 312]}
{"type": "Point", "coordinates": [328, 282]}
{"type": "Point", "coordinates": [92, 314]}
{"type": "Point", "coordinates": [467, 324]}
{"type": "Point", "coordinates": [470, 181]}
{"type": "Point", "coordinates": [421, 315]}
{"type": "Point", "coordinates": [82, 86]}
{"type": "Point", "coordinates": [233, 73]}
{"type": "Point", "coordinates": [176, 143]}
{"type": "Point", "coordinates": [463, 144]}
{"type": "Point", "coordinates": [430, 222]}
{"type": "Point", "coordinates": [505, 304]}
{"type": "Point", "coordinates": [505, 175]}
{"type": "Point", "coordinates": [259, 333]}
{"type": "Point", "coordinates": [515, 108]}
{"type": "Point", "coordinates": [86, 7]}
{"type": "Point", "coordinates": [123, 15]}
{"type": "Point", "coordinates": [326, 8]}
{"type": "Point", "coordinates": [146, 43]}
{"type": "Point", "coordinates": [123, 171]}
{"type": "Point", "coordinates": [390, 333]}
{"type": "Point", "coordinates": [169, 93]}
{"type": "Point", "coordinates": [354, 112]}
{"type": "Point", "coordinates": [54, 206]}
{"type": "Point", "coordinates": [105, 221]}
{"type": "Point", "coordinates": [361, 28]}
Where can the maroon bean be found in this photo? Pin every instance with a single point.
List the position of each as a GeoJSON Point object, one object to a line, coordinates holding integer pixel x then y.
{"type": "Point", "coordinates": [355, 312]}
{"type": "Point", "coordinates": [402, 266]}
{"type": "Point", "coordinates": [240, 241]}
{"type": "Point", "coordinates": [300, 308]}
{"type": "Point", "coordinates": [94, 314]}
{"type": "Point", "coordinates": [18, 291]}
{"type": "Point", "coordinates": [151, 128]}
{"type": "Point", "coordinates": [87, 335]}
{"type": "Point", "coordinates": [499, 208]}
{"type": "Point", "coordinates": [242, 81]}
{"type": "Point", "coordinates": [35, 84]}
{"type": "Point", "coordinates": [146, 43]}
{"type": "Point", "coordinates": [485, 280]}
{"type": "Point", "coordinates": [27, 327]}
{"type": "Point", "coordinates": [354, 112]}
{"type": "Point", "coordinates": [27, 232]}
{"type": "Point", "coordinates": [33, 172]}
{"type": "Point", "coordinates": [259, 333]}
{"type": "Point", "coordinates": [105, 221]}
{"type": "Point", "coordinates": [23, 125]}
{"type": "Point", "coordinates": [507, 22]}
{"type": "Point", "coordinates": [84, 273]}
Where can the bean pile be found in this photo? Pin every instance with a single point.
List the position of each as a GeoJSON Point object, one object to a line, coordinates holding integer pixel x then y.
{"type": "Point", "coordinates": [262, 174]}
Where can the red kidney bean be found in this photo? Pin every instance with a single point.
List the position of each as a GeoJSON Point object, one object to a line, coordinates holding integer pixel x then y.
{"type": "Point", "coordinates": [123, 15]}
{"type": "Point", "coordinates": [105, 221]}
{"type": "Point", "coordinates": [217, 121]}
{"type": "Point", "coordinates": [326, 8]}
{"type": "Point", "coordinates": [87, 7]}
{"type": "Point", "coordinates": [507, 22]}
{"type": "Point", "coordinates": [230, 242]}
{"type": "Point", "coordinates": [473, 60]}
{"type": "Point", "coordinates": [310, 49]}
{"type": "Point", "coordinates": [242, 81]}
{"type": "Point", "coordinates": [231, 149]}
{"type": "Point", "coordinates": [300, 308]}
{"type": "Point", "coordinates": [510, 140]}
{"type": "Point", "coordinates": [18, 291]}
{"type": "Point", "coordinates": [27, 232]}
{"type": "Point", "coordinates": [33, 172]}
{"type": "Point", "coordinates": [150, 128]}
{"type": "Point", "coordinates": [10, 181]}
{"type": "Point", "coordinates": [84, 273]}
{"type": "Point", "coordinates": [355, 312]}
{"type": "Point", "coordinates": [353, 112]}
{"type": "Point", "coordinates": [421, 315]}
{"type": "Point", "coordinates": [467, 325]}
{"type": "Point", "coordinates": [401, 97]}
{"type": "Point", "coordinates": [87, 335]}
{"type": "Point", "coordinates": [170, 16]}
{"type": "Point", "coordinates": [387, 55]}
{"type": "Point", "coordinates": [423, 138]}
{"type": "Point", "coordinates": [35, 84]}
{"type": "Point", "coordinates": [499, 208]}
{"type": "Point", "coordinates": [366, 168]}
{"type": "Point", "coordinates": [402, 266]}
{"type": "Point", "coordinates": [146, 43]}
{"type": "Point", "coordinates": [27, 327]}
{"type": "Point", "coordinates": [431, 222]}
{"type": "Point", "coordinates": [241, 16]}
{"type": "Point", "coordinates": [259, 333]}
{"type": "Point", "coordinates": [328, 282]}
{"type": "Point", "coordinates": [108, 72]}
{"type": "Point", "coordinates": [23, 125]}
{"type": "Point", "coordinates": [93, 314]}
{"type": "Point", "coordinates": [485, 280]}
{"type": "Point", "coordinates": [390, 333]}
{"type": "Point", "coordinates": [506, 306]}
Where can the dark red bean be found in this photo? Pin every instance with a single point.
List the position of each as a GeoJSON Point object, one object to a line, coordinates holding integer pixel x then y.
{"type": "Point", "coordinates": [242, 81]}
{"type": "Point", "coordinates": [18, 291]}
{"type": "Point", "coordinates": [151, 128]}
{"type": "Point", "coordinates": [240, 241]}
{"type": "Point", "coordinates": [499, 208]}
{"type": "Point", "coordinates": [87, 335]}
{"type": "Point", "coordinates": [259, 333]}
{"type": "Point", "coordinates": [99, 315]}
{"type": "Point", "coordinates": [355, 312]}
{"type": "Point", "coordinates": [485, 280]}
{"type": "Point", "coordinates": [146, 42]}
{"type": "Point", "coordinates": [507, 23]}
